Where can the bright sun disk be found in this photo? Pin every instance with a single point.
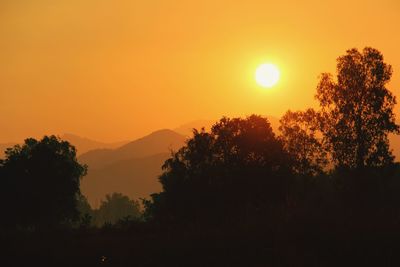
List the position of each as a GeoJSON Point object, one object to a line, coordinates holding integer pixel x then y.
{"type": "Point", "coordinates": [267, 75]}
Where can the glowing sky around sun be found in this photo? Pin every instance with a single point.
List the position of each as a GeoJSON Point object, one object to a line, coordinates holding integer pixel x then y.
{"type": "Point", "coordinates": [116, 70]}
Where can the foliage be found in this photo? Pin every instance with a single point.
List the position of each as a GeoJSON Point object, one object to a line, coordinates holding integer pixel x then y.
{"type": "Point", "coordinates": [114, 208]}
{"type": "Point", "coordinates": [239, 169]}
{"type": "Point", "coordinates": [350, 131]}
{"type": "Point", "coordinates": [85, 212]}
{"type": "Point", "coordinates": [40, 183]}
{"type": "Point", "coordinates": [83, 205]}
{"type": "Point", "coordinates": [301, 138]}
{"type": "Point", "coordinates": [357, 110]}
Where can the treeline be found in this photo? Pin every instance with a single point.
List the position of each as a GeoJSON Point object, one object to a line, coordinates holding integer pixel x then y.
{"type": "Point", "coordinates": [116, 208]}
{"type": "Point", "coordinates": [336, 158]}
{"type": "Point", "coordinates": [326, 177]}
{"type": "Point", "coordinates": [331, 165]}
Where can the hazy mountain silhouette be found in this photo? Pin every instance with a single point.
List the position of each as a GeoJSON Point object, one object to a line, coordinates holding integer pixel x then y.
{"type": "Point", "coordinates": [187, 128]}
{"type": "Point", "coordinates": [84, 145]}
{"type": "Point", "coordinates": [162, 141]}
{"type": "Point", "coordinates": [131, 169]}
{"type": "Point", "coordinates": [136, 178]}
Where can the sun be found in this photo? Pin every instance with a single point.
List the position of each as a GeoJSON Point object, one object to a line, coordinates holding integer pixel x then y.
{"type": "Point", "coordinates": [267, 75]}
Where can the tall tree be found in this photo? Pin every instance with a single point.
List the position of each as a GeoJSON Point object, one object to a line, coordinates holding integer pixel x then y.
{"type": "Point", "coordinates": [357, 110]}
{"type": "Point", "coordinates": [40, 183]}
{"type": "Point", "coordinates": [302, 139]}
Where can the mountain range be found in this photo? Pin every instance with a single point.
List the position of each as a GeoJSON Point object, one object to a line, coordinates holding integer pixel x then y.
{"type": "Point", "coordinates": [82, 144]}
{"type": "Point", "coordinates": [157, 142]}
{"type": "Point", "coordinates": [132, 168]}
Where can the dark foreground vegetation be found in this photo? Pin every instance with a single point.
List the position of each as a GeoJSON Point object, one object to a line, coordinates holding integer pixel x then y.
{"type": "Point", "coordinates": [325, 191]}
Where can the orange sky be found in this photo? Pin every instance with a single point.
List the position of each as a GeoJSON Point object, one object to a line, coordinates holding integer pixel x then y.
{"type": "Point", "coordinates": [116, 70]}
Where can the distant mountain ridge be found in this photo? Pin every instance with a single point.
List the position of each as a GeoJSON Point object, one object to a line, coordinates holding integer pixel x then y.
{"type": "Point", "coordinates": [187, 128]}
{"type": "Point", "coordinates": [131, 169]}
{"type": "Point", "coordinates": [84, 144]}
{"type": "Point", "coordinates": [157, 142]}
{"type": "Point", "coordinates": [136, 178]}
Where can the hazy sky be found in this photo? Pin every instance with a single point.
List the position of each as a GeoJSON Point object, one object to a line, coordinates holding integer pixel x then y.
{"type": "Point", "coordinates": [118, 69]}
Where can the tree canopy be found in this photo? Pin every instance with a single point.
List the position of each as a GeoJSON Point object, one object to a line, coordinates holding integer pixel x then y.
{"type": "Point", "coordinates": [357, 110]}
{"type": "Point", "coordinates": [40, 182]}
{"type": "Point", "coordinates": [239, 168]}
{"type": "Point", "coordinates": [302, 140]}
{"type": "Point", "coordinates": [114, 208]}
{"type": "Point", "coordinates": [350, 130]}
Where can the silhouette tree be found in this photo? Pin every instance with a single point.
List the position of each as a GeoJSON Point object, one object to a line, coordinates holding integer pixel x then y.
{"type": "Point", "coordinates": [238, 170]}
{"type": "Point", "coordinates": [357, 110]}
{"type": "Point", "coordinates": [115, 208]}
{"type": "Point", "coordinates": [85, 211]}
{"type": "Point", "coordinates": [40, 183]}
{"type": "Point", "coordinates": [302, 139]}
{"type": "Point", "coordinates": [83, 206]}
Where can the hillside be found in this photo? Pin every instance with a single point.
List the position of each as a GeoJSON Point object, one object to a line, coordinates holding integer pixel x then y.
{"type": "Point", "coordinates": [84, 145]}
{"type": "Point", "coordinates": [187, 128]}
{"type": "Point", "coordinates": [162, 141]}
{"type": "Point", "coordinates": [81, 144]}
{"type": "Point", "coordinates": [136, 178]}
{"type": "Point", "coordinates": [131, 169]}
